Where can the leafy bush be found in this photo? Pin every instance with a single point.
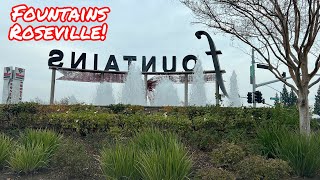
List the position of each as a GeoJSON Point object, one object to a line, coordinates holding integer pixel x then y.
{"type": "Point", "coordinates": [117, 108]}
{"type": "Point", "coordinates": [28, 158]}
{"type": "Point", "coordinates": [27, 107]}
{"type": "Point", "coordinates": [301, 152]}
{"type": "Point", "coordinates": [120, 163]}
{"type": "Point", "coordinates": [257, 167]}
{"type": "Point", "coordinates": [6, 144]}
{"type": "Point", "coordinates": [214, 174]}
{"type": "Point", "coordinates": [71, 158]}
{"type": "Point", "coordinates": [202, 139]}
{"type": "Point", "coordinates": [48, 139]}
{"type": "Point", "coordinates": [227, 155]}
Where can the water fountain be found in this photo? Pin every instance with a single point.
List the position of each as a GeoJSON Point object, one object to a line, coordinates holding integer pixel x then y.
{"type": "Point", "coordinates": [165, 93]}
{"type": "Point", "coordinates": [104, 95]}
{"type": "Point", "coordinates": [134, 91]}
{"type": "Point", "coordinates": [234, 99]}
{"type": "Point", "coordinates": [198, 92]}
{"type": "Point", "coordinates": [73, 100]}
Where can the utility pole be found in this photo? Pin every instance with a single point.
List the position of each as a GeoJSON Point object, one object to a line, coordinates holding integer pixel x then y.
{"type": "Point", "coordinates": [253, 77]}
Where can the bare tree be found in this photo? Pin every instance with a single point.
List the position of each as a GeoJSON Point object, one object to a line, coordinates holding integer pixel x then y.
{"type": "Point", "coordinates": [283, 32]}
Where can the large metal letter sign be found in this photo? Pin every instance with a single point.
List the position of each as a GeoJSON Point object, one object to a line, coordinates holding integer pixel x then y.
{"type": "Point", "coordinates": [7, 85]}
{"type": "Point", "coordinates": [12, 85]}
{"type": "Point", "coordinates": [214, 54]}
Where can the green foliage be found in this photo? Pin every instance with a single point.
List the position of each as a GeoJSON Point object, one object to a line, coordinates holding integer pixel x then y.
{"type": "Point", "coordinates": [120, 162]}
{"type": "Point", "coordinates": [165, 163]}
{"type": "Point", "coordinates": [257, 167]}
{"type": "Point", "coordinates": [14, 109]}
{"type": "Point", "coordinates": [28, 158]}
{"type": "Point", "coordinates": [288, 99]}
{"type": "Point", "coordinates": [302, 152]}
{"type": "Point", "coordinates": [293, 98]}
{"type": "Point", "coordinates": [6, 146]}
{"type": "Point", "coordinates": [277, 101]}
{"type": "Point", "coordinates": [35, 152]}
{"type": "Point", "coordinates": [71, 159]}
{"type": "Point", "coordinates": [227, 155]}
{"type": "Point", "coordinates": [117, 108]}
{"type": "Point", "coordinates": [150, 155]}
{"type": "Point", "coordinates": [285, 117]}
{"type": "Point", "coordinates": [299, 151]}
{"type": "Point", "coordinates": [154, 139]}
{"type": "Point", "coordinates": [285, 98]}
{"type": "Point", "coordinates": [268, 137]}
{"type": "Point", "coordinates": [317, 103]}
{"type": "Point", "coordinates": [48, 139]}
{"type": "Point", "coordinates": [214, 174]}
{"type": "Point", "coordinates": [204, 140]}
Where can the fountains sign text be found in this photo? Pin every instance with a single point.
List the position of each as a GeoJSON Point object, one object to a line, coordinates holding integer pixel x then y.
{"type": "Point", "coordinates": [56, 60]}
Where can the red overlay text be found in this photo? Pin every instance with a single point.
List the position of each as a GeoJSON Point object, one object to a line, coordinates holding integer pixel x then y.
{"type": "Point", "coordinates": [64, 15]}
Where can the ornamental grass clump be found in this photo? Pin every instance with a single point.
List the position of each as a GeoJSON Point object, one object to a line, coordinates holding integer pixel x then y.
{"type": "Point", "coordinates": [268, 137]}
{"type": "Point", "coordinates": [163, 156]}
{"type": "Point", "coordinates": [26, 159]}
{"type": "Point", "coordinates": [120, 162]}
{"type": "Point", "coordinates": [301, 151]}
{"type": "Point", "coordinates": [48, 139]}
{"type": "Point", "coordinates": [154, 139]}
{"type": "Point", "coordinates": [35, 150]}
{"type": "Point", "coordinates": [6, 145]}
{"type": "Point", "coordinates": [171, 163]}
{"type": "Point", "coordinates": [151, 155]}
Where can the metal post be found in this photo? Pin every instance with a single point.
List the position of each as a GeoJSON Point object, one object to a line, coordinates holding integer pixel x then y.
{"type": "Point", "coordinates": [146, 84]}
{"type": "Point", "coordinates": [253, 79]}
{"type": "Point", "coordinates": [217, 94]}
{"type": "Point", "coordinates": [53, 85]}
{"type": "Point", "coordinates": [186, 91]}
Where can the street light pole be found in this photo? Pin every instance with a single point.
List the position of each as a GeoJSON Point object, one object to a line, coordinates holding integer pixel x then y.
{"type": "Point", "coordinates": [253, 79]}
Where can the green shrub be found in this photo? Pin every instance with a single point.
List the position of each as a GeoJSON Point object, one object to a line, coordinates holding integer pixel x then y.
{"type": "Point", "coordinates": [257, 167]}
{"type": "Point", "coordinates": [6, 144]}
{"type": "Point", "coordinates": [120, 162]}
{"type": "Point", "coordinates": [71, 158]}
{"type": "Point", "coordinates": [214, 174]}
{"type": "Point", "coordinates": [27, 159]}
{"type": "Point", "coordinates": [48, 139]}
{"type": "Point", "coordinates": [202, 139]}
{"type": "Point", "coordinates": [301, 152]}
{"type": "Point", "coordinates": [227, 155]}
{"type": "Point", "coordinates": [117, 108]}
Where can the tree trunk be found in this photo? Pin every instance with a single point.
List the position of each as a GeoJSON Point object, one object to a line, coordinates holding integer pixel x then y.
{"type": "Point", "coordinates": [304, 115]}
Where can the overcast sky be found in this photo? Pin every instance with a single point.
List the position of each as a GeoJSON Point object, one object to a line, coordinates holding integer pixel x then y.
{"type": "Point", "coordinates": [136, 27]}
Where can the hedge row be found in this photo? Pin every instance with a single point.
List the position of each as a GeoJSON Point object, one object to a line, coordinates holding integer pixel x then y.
{"type": "Point", "coordinates": [199, 125]}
